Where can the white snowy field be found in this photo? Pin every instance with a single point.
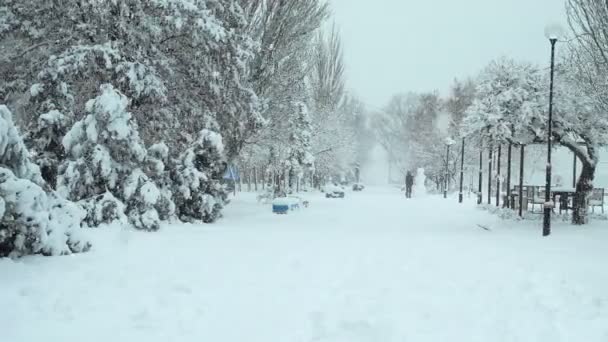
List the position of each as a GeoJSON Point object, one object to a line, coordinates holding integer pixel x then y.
{"type": "Point", "coordinates": [371, 267]}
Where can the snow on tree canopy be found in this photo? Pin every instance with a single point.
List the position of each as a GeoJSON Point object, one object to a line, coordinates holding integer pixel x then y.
{"type": "Point", "coordinates": [32, 220]}
{"type": "Point", "coordinates": [508, 99]}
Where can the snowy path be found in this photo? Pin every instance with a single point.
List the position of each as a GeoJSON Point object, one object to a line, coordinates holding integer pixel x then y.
{"type": "Point", "coordinates": [371, 267]}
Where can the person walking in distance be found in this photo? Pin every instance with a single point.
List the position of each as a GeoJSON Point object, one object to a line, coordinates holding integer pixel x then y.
{"type": "Point", "coordinates": [409, 182]}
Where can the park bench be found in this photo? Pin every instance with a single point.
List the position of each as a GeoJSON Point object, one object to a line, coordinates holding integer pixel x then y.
{"type": "Point", "coordinates": [597, 199]}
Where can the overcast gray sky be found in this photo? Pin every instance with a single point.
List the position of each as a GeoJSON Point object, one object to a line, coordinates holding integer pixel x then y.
{"type": "Point", "coordinates": [421, 45]}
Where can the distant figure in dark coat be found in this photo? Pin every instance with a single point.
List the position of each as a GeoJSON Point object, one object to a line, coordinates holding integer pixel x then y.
{"type": "Point", "coordinates": [409, 182]}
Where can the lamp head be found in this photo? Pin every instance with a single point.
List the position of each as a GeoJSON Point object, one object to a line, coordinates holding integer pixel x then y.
{"type": "Point", "coordinates": [554, 32]}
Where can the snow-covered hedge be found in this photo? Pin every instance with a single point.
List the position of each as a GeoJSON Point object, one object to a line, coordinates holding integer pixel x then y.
{"type": "Point", "coordinates": [32, 219]}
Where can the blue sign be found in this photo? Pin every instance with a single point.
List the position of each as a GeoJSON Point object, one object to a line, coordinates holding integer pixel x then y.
{"type": "Point", "coordinates": [232, 173]}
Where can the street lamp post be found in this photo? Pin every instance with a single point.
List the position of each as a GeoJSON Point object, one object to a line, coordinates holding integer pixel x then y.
{"type": "Point", "coordinates": [460, 196]}
{"type": "Point", "coordinates": [520, 195]}
{"type": "Point", "coordinates": [553, 33]}
{"type": "Point", "coordinates": [480, 185]}
{"type": "Point", "coordinates": [509, 150]}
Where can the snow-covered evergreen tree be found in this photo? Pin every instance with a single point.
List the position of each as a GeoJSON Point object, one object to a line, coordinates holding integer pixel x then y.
{"type": "Point", "coordinates": [32, 219]}
{"type": "Point", "coordinates": [106, 155]}
{"type": "Point", "coordinates": [198, 194]}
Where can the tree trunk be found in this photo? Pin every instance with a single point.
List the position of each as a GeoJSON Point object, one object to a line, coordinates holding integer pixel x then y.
{"type": "Point", "coordinates": [249, 181]}
{"type": "Point", "coordinates": [584, 188]}
{"type": "Point", "coordinates": [490, 158]}
{"type": "Point", "coordinates": [498, 159]}
{"type": "Point", "coordinates": [290, 179]}
{"type": "Point", "coordinates": [587, 154]}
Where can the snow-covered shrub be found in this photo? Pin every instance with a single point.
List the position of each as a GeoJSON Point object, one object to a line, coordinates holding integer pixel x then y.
{"type": "Point", "coordinates": [199, 195]}
{"type": "Point", "coordinates": [36, 222]}
{"type": "Point", "coordinates": [104, 209]}
{"type": "Point", "coordinates": [143, 198]}
{"type": "Point", "coordinates": [104, 169]}
{"type": "Point", "coordinates": [32, 220]}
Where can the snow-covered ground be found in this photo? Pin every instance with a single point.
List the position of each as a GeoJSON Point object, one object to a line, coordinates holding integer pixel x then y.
{"type": "Point", "coordinates": [371, 267]}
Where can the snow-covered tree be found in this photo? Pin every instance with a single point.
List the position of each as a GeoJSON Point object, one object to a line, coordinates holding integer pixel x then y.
{"type": "Point", "coordinates": [408, 131]}
{"type": "Point", "coordinates": [198, 193]}
{"type": "Point", "coordinates": [359, 123]}
{"type": "Point", "coordinates": [582, 93]}
{"type": "Point", "coordinates": [33, 220]}
{"type": "Point", "coordinates": [333, 139]}
{"type": "Point", "coordinates": [106, 155]}
{"type": "Point", "coordinates": [508, 98]}
{"type": "Point", "coordinates": [588, 20]}
{"type": "Point", "coordinates": [300, 158]}
{"type": "Point", "coordinates": [280, 74]}
{"type": "Point", "coordinates": [580, 124]}
{"type": "Point", "coordinates": [458, 102]}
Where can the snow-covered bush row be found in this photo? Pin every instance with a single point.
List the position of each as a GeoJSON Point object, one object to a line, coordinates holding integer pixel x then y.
{"type": "Point", "coordinates": [108, 177]}
{"type": "Point", "coordinates": [33, 220]}
{"type": "Point", "coordinates": [185, 65]}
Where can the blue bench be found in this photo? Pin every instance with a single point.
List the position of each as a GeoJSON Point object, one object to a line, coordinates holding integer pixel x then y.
{"type": "Point", "coordinates": [283, 205]}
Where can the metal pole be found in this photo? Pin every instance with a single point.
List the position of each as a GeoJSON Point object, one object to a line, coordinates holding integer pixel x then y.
{"type": "Point", "coordinates": [521, 180]}
{"type": "Point", "coordinates": [509, 150]}
{"type": "Point", "coordinates": [480, 188]}
{"type": "Point", "coordinates": [460, 196]}
{"type": "Point", "coordinates": [498, 175]}
{"type": "Point", "coordinates": [548, 207]}
{"type": "Point", "coordinates": [447, 164]}
{"type": "Point", "coordinates": [490, 176]}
